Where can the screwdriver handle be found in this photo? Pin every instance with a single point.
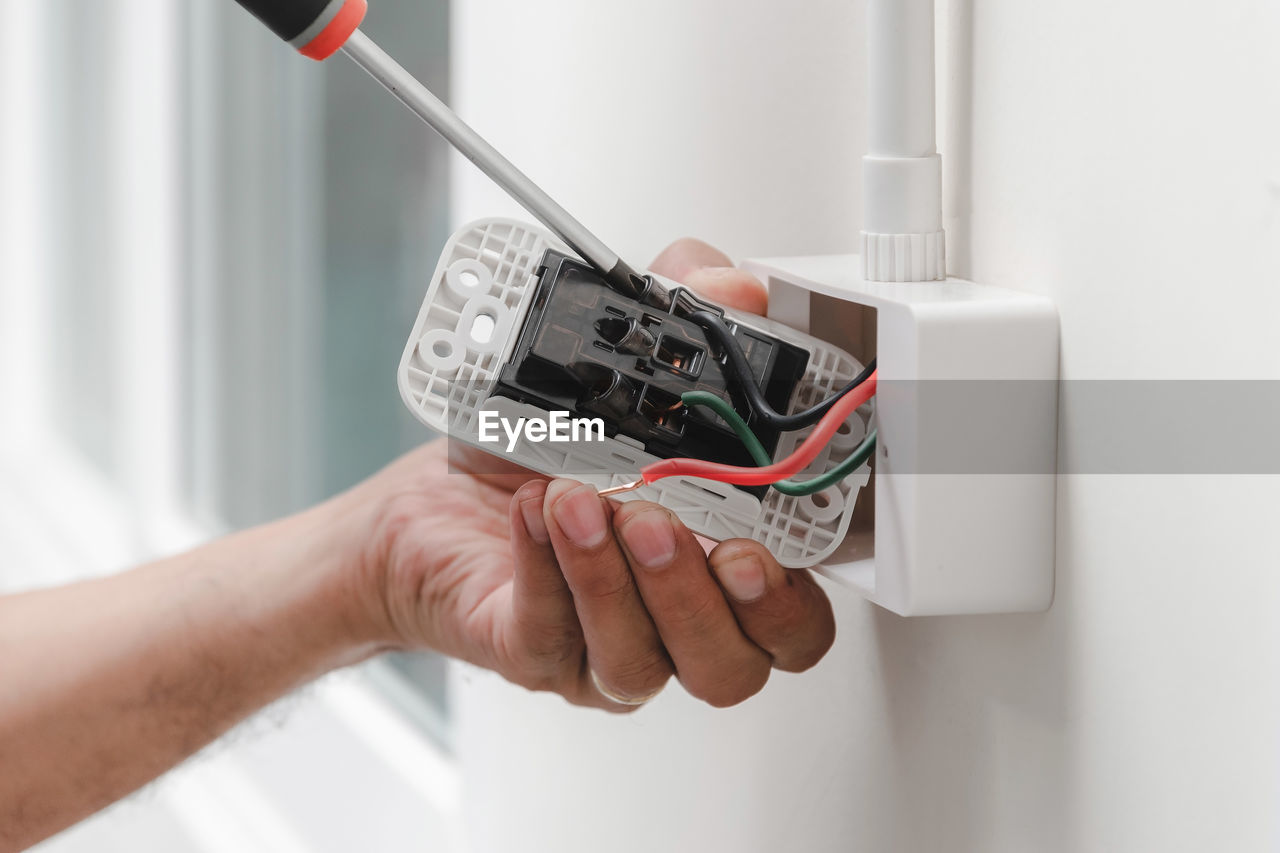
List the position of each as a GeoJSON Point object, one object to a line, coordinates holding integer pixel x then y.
{"type": "Point", "coordinates": [316, 28]}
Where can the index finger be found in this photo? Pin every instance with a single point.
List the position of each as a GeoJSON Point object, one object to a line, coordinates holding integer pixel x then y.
{"type": "Point", "coordinates": [624, 650]}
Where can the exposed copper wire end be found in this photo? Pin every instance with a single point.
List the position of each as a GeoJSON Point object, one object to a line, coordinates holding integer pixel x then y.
{"type": "Point", "coordinates": [617, 490]}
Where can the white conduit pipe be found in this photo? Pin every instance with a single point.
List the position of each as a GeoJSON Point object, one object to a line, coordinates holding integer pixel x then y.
{"type": "Point", "coordinates": [902, 237]}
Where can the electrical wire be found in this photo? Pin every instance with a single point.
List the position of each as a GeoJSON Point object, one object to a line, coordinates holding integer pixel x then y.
{"type": "Point", "coordinates": [769, 474]}
{"type": "Point", "coordinates": [749, 439]}
{"type": "Point", "coordinates": [725, 410]}
{"type": "Point", "coordinates": [847, 466]}
{"type": "Point", "coordinates": [719, 330]}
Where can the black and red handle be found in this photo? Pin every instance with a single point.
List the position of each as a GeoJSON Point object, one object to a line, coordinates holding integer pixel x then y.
{"type": "Point", "coordinates": [316, 28]}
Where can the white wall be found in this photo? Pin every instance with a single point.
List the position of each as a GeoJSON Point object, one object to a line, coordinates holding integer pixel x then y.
{"type": "Point", "coordinates": [654, 120]}
{"type": "Point", "coordinates": [1122, 157]}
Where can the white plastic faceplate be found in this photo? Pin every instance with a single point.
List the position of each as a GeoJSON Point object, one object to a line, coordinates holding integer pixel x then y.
{"type": "Point", "coordinates": [486, 273]}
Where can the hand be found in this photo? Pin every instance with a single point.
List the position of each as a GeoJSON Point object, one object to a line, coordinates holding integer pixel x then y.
{"type": "Point", "coordinates": [557, 589]}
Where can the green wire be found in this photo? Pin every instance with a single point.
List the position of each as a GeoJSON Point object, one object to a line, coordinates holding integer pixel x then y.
{"type": "Point", "coordinates": [788, 487]}
{"type": "Point", "coordinates": [847, 466]}
{"type": "Point", "coordinates": [718, 405]}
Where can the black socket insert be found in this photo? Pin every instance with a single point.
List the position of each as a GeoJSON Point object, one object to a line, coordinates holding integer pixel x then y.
{"type": "Point", "coordinates": [589, 350]}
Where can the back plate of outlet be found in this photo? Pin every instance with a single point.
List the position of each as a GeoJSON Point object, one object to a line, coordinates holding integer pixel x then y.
{"type": "Point", "coordinates": [514, 324]}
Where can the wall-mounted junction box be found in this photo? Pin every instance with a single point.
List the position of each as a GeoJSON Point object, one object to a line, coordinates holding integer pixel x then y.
{"type": "Point", "coordinates": [958, 516]}
{"type": "Point", "coordinates": [962, 516]}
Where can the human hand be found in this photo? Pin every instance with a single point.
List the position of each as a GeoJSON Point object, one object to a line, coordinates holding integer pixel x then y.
{"type": "Point", "coordinates": [557, 589]}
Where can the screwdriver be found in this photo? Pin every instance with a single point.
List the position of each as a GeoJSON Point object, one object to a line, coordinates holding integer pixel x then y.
{"type": "Point", "coordinates": [320, 28]}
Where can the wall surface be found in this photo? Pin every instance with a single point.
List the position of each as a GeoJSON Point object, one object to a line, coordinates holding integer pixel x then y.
{"type": "Point", "coordinates": [1121, 157]}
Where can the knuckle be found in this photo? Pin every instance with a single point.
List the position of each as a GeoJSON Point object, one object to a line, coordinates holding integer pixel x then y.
{"type": "Point", "coordinates": [796, 602]}
{"type": "Point", "coordinates": [543, 584]}
{"type": "Point", "coordinates": [738, 687]}
{"type": "Point", "coordinates": [695, 616]}
{"type": "Point", "coordinates": [604, 586]}
{"type": "Point", "coordinates": [549, 648]}
{"type": "Point", "coordinates": [785, 608]}
{"type": "Point", "coordinates": [808, 657]}
{"type": "Point", "coordinates": [637, 678]}
{"type": "Point", "coordinates": [818, 642]}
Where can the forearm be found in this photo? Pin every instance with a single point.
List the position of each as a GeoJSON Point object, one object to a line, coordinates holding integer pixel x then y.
{"type": "Point", "coordinates": [106, 684]}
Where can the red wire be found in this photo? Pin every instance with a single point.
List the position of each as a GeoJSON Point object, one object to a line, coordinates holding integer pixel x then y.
{"type": "Point", "coordinates": [781, 470]}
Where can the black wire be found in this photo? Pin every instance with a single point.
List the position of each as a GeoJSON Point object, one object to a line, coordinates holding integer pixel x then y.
{"type": "Point", "coordinates": [724, 337]}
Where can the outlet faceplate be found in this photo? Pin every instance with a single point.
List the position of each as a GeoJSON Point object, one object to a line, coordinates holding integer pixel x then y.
{"type": "Point", "coordinates": [963, 509]}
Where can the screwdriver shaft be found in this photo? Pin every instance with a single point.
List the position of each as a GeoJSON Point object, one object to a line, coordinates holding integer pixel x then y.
{"type": "Point", "coordinates": [473, 146]}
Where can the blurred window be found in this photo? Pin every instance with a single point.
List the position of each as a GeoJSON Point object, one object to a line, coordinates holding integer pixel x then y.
{"type": "Point", "coordinates": [215, 252]}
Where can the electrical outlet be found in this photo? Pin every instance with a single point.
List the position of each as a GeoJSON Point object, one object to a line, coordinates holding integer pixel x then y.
{"type": "Point", "coordinates": [485, 348]}
{"type": "Point", "coordinates": [958, 516]}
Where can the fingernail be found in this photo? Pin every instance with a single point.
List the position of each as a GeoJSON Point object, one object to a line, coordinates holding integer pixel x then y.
{"type": "Point", "coordinates": [650, 538]}
{"type": "Point", "coordinates": [743, 578]}
{"type": "Point", "coordinates": [534, 524]}
{"type": "Point", "coordinates": [579, 513]}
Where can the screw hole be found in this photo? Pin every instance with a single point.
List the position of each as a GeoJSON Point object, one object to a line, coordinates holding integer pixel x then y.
{"type": "Point", "coordinates": [483, 326]}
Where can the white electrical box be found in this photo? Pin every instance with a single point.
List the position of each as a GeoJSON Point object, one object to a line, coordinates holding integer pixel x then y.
{"type": "Point", "coordinates": [962, 513]}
